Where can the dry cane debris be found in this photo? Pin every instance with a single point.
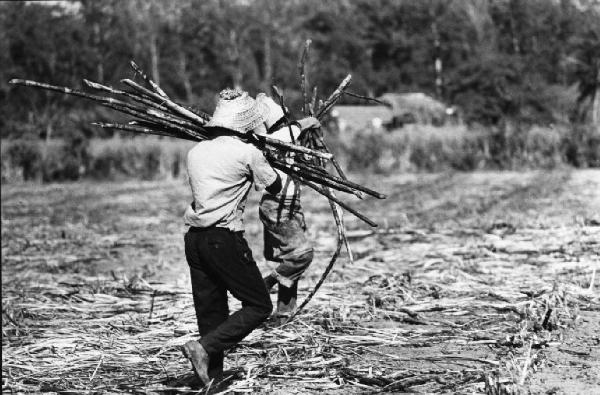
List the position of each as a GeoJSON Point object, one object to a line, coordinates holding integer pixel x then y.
{"type": "Point", "coordinates": [422, 309]}
{"type": "Point", "coordinates": [374, 326]}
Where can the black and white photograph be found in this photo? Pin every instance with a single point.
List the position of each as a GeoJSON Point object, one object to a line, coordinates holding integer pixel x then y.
{"type": "Point", "coordinates": [300, 197]}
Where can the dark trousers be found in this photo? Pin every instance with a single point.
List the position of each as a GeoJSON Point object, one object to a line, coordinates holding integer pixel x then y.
{"type": "Point", "coordinates": [220, 261]}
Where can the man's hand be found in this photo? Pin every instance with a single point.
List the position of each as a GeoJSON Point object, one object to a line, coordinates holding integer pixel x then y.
{"type": "Point", "coordinates": [309, 123]}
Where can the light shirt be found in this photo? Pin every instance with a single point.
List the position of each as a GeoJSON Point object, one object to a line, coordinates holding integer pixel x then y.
{"type": "Point", "coordinates": [221, 172]}
{"type": "Point", "coordinates": [283, 134]}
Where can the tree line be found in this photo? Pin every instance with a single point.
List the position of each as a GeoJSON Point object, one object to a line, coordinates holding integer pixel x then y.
{"type": "Point", "coordinates": [531, 61]}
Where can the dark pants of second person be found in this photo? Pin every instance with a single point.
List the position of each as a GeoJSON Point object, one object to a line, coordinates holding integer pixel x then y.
{"type": "Point", "coordinates": [220, 261]}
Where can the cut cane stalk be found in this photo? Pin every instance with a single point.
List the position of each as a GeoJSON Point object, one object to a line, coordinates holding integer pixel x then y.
{"type": "Point", "coordinates": [154, 86]}
{"type": "Point", "coordinates": [334, 97]}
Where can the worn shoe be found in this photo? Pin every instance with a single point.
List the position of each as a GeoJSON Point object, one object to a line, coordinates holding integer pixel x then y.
{"type": "Point", "coordinates": [284, 311]}
{"type": "Point", "coordinates": [286, 308]}
{"type": "Point", "coordinates": [199, 359]}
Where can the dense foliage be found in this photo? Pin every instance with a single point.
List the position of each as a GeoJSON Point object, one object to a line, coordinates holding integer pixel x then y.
{"type": "Point", "coordinates": [534, 61]}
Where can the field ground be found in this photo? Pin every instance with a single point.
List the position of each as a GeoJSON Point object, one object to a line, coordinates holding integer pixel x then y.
{"type": "Point", "coordinates": [479, 282]}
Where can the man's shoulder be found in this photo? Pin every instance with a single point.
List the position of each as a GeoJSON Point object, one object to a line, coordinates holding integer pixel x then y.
{"type": "Point", "coordinates": [226, 146]}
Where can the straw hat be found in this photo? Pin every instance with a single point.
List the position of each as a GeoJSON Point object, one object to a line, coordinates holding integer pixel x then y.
{"type": "Point", "coordinates": [275, 111]}
{"type": "Point", "coordinates": [238, 111]}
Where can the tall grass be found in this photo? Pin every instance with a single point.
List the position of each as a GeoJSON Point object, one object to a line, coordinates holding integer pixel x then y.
{"type": "Point", "coordinates": [413, 148]}
{"type": "Point", "coordinates": [429, 148]}
{"type": "Point", "coordinates": [100, 159]}
{"type": "Point", "coordinates": [145, 157]}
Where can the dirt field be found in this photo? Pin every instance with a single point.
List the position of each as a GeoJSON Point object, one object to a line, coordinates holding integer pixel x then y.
{"type": "Point", "coordinates": [473, 283]}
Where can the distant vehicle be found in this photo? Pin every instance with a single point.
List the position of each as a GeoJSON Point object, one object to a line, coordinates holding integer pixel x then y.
{"type": "Point", "coordinates": [399, 109]}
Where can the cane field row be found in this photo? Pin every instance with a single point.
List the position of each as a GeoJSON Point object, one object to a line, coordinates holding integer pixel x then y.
{"type": "Point", "coordinates": [414, 148]}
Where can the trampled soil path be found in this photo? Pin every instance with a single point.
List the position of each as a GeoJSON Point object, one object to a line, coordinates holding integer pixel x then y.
{"type": "Point", "coordinates": [474, 283]}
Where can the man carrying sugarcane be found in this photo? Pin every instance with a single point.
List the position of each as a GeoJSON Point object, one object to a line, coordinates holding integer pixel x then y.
{"type": "Point", "coordinates": [221, 171]}
{"type": "Point", "coordinates": [284, 228]}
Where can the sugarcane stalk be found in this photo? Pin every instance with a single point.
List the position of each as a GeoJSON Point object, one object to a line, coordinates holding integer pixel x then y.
{"type": "Point", "coordinates": [322, 173]}
{"type": "Point", "coordinates": [137, 97]}
{"type": "Point", "coordinates": [365, 97]}
{"type": "Point", "coordinates": [332, 261]}
{"type": "Point", "coordinates": [336, 165]}
{"type": "Point", "coordinates": [200, 113]}
{"type": "Point", "coordinates": [168, 103]}
{"type": "Point", "coordinates": [164, 120]}
{"type": "Point", "coordinates": [313, 102]}
{"type": "Point", "coordinates": [279, 96]}
{"type": "Point", "coordinates": [144, 91]}
{"type": "Point", "coordinates": [313, 139]}
{"type": "Point", "coordinates": [175, 119]}
{"type": "Point", "coordinates": [154, 85]}
{"type": "Point", "coordinates": [304, 176]}
{"type": "Point", "coordinates": [307, 175]}
{"type": "Point", "coordinates": [115, 104]}
{"type": "Point", "coordinates": [139, 129]}
{"type": "Point", "coordinates": [163, 129]}
{"type": "Point", "coordinates": [68, 91]}
{"type": "Point", "coordinates": [149, 115]}
{"type": "Point", "coordinates": [110, 102]}
{"type": "Point", "coordinates": [334, 97]}
{"type": "Point", "coordinates": [159, 100]}
{"type": "Point", "coordinates": [304, 78]}
{"type": "Point", "coordinates": [290, 147]}
{"type": "Point", "coordinates": [166, 123]}
{"type": "Point", "coordinates": [328, 195]}
{"type": "Point", "coordinates": [338, 216]}
{"type": "Point", "coordinates": [344, 182]}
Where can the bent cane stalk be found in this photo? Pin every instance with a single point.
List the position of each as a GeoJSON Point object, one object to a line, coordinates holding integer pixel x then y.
{"type": "Point", "coordinates": [338, 216]}
{"type": "Point", "coordinates": [334, 257]}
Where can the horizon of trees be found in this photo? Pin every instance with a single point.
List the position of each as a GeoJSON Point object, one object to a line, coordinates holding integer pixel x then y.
{"type": "Point", "coordinates": [533, 61]}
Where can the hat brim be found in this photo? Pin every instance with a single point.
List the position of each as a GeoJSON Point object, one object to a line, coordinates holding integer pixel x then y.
{"type": "Point", "coordinates": [240, 121]}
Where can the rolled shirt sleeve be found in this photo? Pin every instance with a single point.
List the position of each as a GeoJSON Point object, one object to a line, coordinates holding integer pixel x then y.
{"type": "Point", "coordinates": [262, 173]}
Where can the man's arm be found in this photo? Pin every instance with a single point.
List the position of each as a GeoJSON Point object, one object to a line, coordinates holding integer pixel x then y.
{"type": "Point", "coordinates": [263, 175]}
{"type": "Point", "coordinates": [275, 187]}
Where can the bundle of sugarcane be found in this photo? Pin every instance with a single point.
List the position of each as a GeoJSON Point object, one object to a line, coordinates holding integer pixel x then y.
{"type": "Point", "coordinates": [305, 160]}
{"type": "Point", "coordinates": [154, 112]}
